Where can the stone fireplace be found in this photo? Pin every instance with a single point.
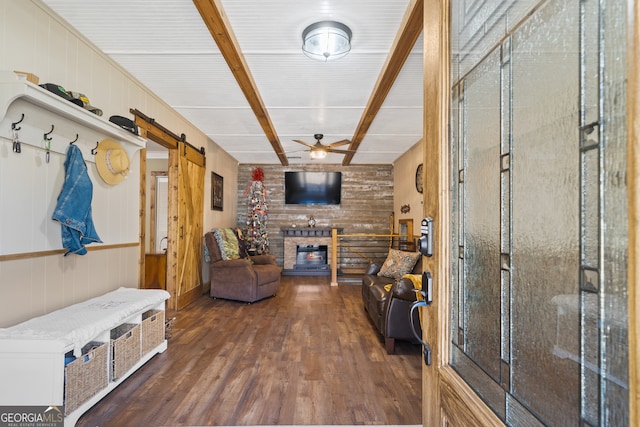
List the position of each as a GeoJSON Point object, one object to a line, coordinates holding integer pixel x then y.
{"type": "Point", "coordinates": [306, 238]}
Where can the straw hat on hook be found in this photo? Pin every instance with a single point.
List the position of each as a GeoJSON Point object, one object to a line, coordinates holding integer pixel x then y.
{"type": "Point", "coordinates": [112, 161]}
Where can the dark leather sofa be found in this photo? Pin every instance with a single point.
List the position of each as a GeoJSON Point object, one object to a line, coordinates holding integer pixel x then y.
{"type": "Point", "coordinates": [389, 310]}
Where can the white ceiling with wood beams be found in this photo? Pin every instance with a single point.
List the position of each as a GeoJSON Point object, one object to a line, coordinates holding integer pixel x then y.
{"type": "Point", "coordinates": [236, 70]}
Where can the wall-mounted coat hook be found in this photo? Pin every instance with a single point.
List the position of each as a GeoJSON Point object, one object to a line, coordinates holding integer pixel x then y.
{"type": "Point", "coordinates": [46, 135]}
{"type": "Point", "coordinates": [14, 125]}
{"type": "Point", "coordinates": [47, 143]}
{"type": "Point", "coordinates": [14, 129]}
{"type": "Point", "coordinates": [95, 150]}
{"type": "Point", "coordinates": [75, 140]}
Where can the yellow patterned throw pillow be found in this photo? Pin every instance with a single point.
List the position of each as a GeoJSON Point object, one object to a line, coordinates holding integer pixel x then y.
{"type": "Point", "coordinates": [398, 263]}
{"type": "Point", "coordinates": [227, 242]}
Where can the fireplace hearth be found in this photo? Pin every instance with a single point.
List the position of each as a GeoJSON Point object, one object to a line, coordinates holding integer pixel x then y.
{"type": "Point", "coordinates": [311, 257]}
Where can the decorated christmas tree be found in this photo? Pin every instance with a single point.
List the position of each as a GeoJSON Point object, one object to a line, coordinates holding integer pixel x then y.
{"type": "Point", "coordinates": [257, 213]}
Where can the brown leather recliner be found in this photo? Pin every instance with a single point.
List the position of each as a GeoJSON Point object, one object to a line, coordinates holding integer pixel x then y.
{"type": "Point", "coordinates": [247, 278]}
{"type": "Point", "coordinates": [389, 309]}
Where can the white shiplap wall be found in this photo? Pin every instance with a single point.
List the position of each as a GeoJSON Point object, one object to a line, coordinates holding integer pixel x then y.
{"type": "Point", "coordinates": [33, 39]}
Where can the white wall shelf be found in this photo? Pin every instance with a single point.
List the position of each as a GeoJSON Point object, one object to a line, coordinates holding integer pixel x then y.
{"type": "Point", "coordinates": [12, 88]}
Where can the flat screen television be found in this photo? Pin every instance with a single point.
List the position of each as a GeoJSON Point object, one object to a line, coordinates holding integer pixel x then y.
{"type": "Point", "coordinates": [312, 188]}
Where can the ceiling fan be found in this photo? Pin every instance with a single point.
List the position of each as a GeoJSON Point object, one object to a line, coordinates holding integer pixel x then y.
{"type": "Point", "coordinates": [320, 151]}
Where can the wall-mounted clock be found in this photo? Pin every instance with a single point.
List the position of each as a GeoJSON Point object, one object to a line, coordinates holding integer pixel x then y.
{"type": "Point", "coordinates": [419, 175]}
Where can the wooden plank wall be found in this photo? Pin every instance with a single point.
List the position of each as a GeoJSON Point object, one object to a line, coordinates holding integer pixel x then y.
{"type": "Point", "coordinates": [367, 201]}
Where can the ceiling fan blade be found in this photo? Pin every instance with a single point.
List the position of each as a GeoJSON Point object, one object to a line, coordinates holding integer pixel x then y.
{"type": "Point", "coordinates": [303, 143]}
{"type": "Point", "coordinates": [339, 143]}
{"type": "Point", "coordinates": [333, 150]}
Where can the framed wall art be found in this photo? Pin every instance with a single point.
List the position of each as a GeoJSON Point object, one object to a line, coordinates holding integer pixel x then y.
{"type": "Point", "coordinates": [217, 191]}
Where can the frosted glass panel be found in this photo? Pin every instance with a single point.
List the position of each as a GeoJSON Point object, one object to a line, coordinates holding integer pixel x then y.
{"type": "Point", "coordinates": [539, 195]}
{"type": "Point", "coordinates": [614, 389]}
{"type": "Point", "coordinates": [590, 207]}
{"type": "Point", "coordinates": [546, 212]}
{"type": "Point", "coordinates": [479, 25]}
{"type": "Point", "coordinates": [482, 218]}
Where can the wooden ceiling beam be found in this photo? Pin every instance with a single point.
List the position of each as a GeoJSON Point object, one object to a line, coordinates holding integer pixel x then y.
{"type": "Point", "coordinates": [216, 21]}
{"type": "Point", "coordinates": [408, 33]}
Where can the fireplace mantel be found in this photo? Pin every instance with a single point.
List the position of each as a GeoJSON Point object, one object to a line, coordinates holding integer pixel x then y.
{"type": "Point", "coordinates": [307, 232]}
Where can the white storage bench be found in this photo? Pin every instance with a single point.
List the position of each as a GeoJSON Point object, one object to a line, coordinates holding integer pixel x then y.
{"type": "Point", "coordinates": [76, 355]}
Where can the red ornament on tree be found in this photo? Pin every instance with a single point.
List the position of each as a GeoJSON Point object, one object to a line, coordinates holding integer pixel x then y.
{"type": "Point", "coordinates": [257, 174]}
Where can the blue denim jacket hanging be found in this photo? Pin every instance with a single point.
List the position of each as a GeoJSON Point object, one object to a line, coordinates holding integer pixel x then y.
{"type": "Point", "coordinates": [73, 209]}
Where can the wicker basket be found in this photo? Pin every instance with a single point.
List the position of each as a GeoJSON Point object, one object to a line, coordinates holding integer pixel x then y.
{"type": "Point", "coordinates": [152, 330]}
{"type": "Point", "coordinates": [125, 347]}
{"type": "Point", "coordinates": [168, 327]}
{"type": "Point", "coordinates": [86, 375]}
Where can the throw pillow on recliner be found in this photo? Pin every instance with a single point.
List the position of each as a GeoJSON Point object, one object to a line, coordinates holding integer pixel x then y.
{"type": "Point", "coordinates": [398, 263]}
{"type": "Point", "coordinates": [227, 242]}
{"type": "Point", "coordinates": [242, 245]}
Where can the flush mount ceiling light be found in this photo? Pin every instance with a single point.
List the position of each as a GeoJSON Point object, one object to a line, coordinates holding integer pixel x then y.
{"type": "Point", "coordinates": [326, 41]}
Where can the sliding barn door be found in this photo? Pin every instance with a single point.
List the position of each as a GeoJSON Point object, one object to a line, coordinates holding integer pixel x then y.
{"type": "Point", "coordinates": [186, 204]}
{"type": "Point", "coordinates": [185, 211]}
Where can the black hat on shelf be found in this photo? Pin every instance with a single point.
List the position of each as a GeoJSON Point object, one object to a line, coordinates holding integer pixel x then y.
{"type": "Point", "coordinates": [125, 123]}
{"type": "Point", "coordinates": [61, 92]}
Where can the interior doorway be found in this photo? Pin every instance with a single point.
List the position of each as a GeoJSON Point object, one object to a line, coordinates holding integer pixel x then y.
{"type": "Point", "coordinates": [158, 211]}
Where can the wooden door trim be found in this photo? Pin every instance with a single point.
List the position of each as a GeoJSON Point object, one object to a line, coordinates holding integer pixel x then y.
{"type": "Point", "coordinates": [458, 398]}
{"type": "Point", "coordinates": [436, 28]}
{"type": "Point", "coordinates": [173, 230]}
{"type": "Point", "coordinates": [142, 219]}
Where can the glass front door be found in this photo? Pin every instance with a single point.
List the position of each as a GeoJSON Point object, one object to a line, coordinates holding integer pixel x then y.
{"type": "Point", "coordinates": [538, 140]}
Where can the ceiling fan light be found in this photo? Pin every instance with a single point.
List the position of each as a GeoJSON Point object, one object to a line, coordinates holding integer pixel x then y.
{"type": "Point", "coordinates": [326, 41]}
{"type": "Point", "coordinates": [317, 154]}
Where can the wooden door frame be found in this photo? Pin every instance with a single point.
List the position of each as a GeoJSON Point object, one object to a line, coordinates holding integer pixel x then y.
{"type": "Point", "coordinates": [436, 27]}
{"type": "Point", "coordinates": [445, 393]}
{"type": "Point", "coordinates": [142, 226]}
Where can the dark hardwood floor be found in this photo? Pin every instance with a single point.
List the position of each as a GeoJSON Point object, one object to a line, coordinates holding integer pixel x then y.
{"type": "Point", "coordinates": [308, 356]}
